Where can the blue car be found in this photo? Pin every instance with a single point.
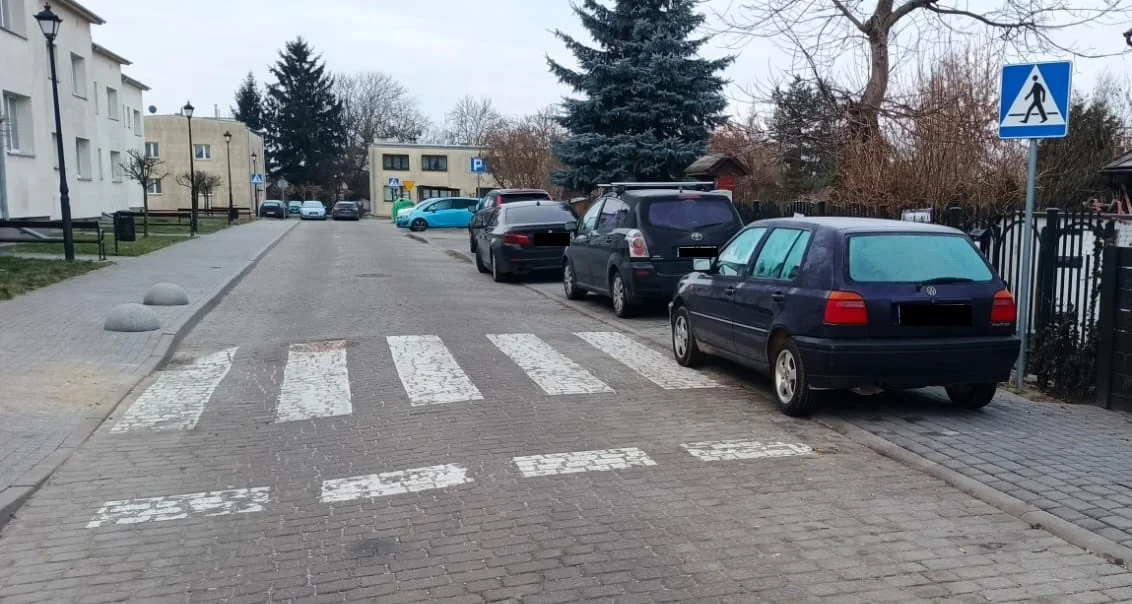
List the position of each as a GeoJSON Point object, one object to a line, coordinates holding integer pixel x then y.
{"type": "Point", "coordinates": [850, 303]}
{"type": "Point", "coordinates": [438, 212]}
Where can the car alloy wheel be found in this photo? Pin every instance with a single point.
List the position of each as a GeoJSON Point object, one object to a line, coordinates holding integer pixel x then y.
{"type": "Point", "coordinates": [680, 337]}
{"type": "Point", "coordinates": [495, 274]}
{"type": "Point", "coordinates": [785, 376]}
{"type": "Point", "coordinates": [621, 306]}
{"type": "Point", "coordinates": [570, 283]}
{"type": "Point", "coordinates": [418, 224]}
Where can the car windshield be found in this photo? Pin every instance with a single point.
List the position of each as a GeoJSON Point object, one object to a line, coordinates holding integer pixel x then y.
{"type": "Point", "coordinates": [914, 258]}
{"type": "Point", "coordinates": [345, 204]}
{"type": "Point", "coordinates": [272, 203]}
{"type": "Point", "coordinates": [529, 196]}
{"type": "Point", "coordinates": [312, 204]}
{"type": "Point", "coordinates": [690, 213]}
{"type": "Point", "coordinates": [531, 214]}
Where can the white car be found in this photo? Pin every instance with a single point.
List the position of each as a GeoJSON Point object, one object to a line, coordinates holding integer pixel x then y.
{"type": "Point", "coordinates": [312, 210]}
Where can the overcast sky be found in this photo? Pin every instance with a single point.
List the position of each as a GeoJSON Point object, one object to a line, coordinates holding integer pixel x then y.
{"type": "Point", "coordinates": [439, 49]}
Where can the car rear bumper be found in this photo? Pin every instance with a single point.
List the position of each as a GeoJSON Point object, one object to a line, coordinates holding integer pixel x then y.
{"type": "Point", "coordinates": [524, 261]}
{"type": "Point", "coordinates": [907, 363]}
{"type": "Point", "coordinates": [646, 283]}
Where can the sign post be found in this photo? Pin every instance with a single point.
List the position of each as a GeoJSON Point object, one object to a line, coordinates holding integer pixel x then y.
{"type": "Point", "coordinates": [1033, 104]}
{"type": "Point", "coordinates": [478, 166]}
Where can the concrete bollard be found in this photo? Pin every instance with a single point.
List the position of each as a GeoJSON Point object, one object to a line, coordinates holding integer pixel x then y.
{"type": "Point", "coordinates": [166, 294]}
{"type": "Point", "coordinates": [132, 317]}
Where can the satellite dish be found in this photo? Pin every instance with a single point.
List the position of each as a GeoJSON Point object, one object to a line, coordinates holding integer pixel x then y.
{"type": "Point", "coordinates": [153, 108]}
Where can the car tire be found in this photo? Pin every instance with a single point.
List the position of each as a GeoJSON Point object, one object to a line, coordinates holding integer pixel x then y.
{"type": "Point", "coordinates": [418, 224]}
{"type": "Point", "coordinates": [496, 276]}
{"type": "Point", "coordinates": [480, 266]}
{"type": "Point", "coordinates": [620, 298]}
{"type": "Point", "coordinates": [471, 244]}
{"type": "Point", "coordinates": [792, 391]}
{"type": "Point", "coordinates": [972, 396]}
{"type": "Point", "coordinates": [570, 283]}
{"type": "Point", "coordinates": [684, 346]}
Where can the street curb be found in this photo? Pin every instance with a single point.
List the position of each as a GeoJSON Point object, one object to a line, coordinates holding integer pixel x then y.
{"type": "Point", "coordinates": [14, 496]}
{"type": "Point", "coordinates": [1037, 518]}
{"type": "Point", "coordinates": [418, 238]}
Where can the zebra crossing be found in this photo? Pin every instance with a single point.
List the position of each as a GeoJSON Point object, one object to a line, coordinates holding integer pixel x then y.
{"type": "Point", "coordinates": [316, 377]}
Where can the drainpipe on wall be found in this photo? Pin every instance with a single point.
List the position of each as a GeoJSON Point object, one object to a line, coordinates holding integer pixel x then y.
{"type": "Point", "coordinates": [3, 186]}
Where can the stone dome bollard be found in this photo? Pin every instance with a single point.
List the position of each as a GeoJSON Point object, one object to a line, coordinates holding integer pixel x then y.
{"type": "Point", "coordinates": [132, 317]}
{"type": "Point", "coordinates": [166, 294]}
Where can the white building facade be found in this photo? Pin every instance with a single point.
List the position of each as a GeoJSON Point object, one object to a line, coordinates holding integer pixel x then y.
{"type": "Point", "coordinates": [100, 112]}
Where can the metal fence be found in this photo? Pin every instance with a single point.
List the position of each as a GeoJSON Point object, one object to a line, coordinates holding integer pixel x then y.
{"type": "Point", "coordinates": [1067, 247]}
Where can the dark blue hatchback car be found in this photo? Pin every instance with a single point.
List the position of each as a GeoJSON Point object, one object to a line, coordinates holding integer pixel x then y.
{"type": "Point", "coordinates": [850, 303]}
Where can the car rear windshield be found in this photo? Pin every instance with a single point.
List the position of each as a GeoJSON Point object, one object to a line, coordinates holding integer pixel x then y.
{"type": "Point", "coordinates": [533, 214]}
{"type": "Point", "coordinates": [914, 258]}
{"type": "Point", "coordinates": [345, 204]}
{"type": "Point", "coordinates": [690, 213]}
{"type": "Point", "coordinates": [513, 197]}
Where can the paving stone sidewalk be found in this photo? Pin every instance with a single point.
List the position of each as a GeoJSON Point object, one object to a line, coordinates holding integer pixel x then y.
{"type": "Point", "coordinates": [60, 370]}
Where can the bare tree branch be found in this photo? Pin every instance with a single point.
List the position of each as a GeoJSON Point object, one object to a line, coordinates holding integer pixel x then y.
{"type": "Point", "coordinates": [472, 121]}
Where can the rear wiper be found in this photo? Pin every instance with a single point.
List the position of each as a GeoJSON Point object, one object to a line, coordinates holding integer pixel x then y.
{"type": "Point", "coordinates": [940, 280]}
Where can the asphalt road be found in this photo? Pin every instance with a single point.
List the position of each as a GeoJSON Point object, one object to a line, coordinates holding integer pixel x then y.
{"type": "Point", "coordinates": [367, 418]}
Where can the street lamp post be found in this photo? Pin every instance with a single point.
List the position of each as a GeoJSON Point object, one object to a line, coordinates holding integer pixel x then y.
{"type": "Point", "coordinates": [49, 25]}
{"type": "Point", "coordinates": [228, 148]}
{"type": "Point", "coordinates": [188, 111]}
{"type": "Point", "coordinates": [255, 187]}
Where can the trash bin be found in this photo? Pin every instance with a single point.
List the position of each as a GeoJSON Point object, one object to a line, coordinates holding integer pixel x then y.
{"type": "Point", "coordinates": [124, 227]}
{"type": "Point", "coordinates": [399, 205]}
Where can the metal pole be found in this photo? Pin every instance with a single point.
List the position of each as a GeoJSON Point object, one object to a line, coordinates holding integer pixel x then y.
{"type": "Point", "coordinates": [228, 146]}
{"type": "Point", "coordinates": [3, 185]}
{"type": "Point", "coordinates": [192, 184]}
{"type": "Point", "coordinates": [255, 188]}
{"type": "Point", "coordinates": [64, 192]}
{"type": "Point", "coordinates": [1027, 249]}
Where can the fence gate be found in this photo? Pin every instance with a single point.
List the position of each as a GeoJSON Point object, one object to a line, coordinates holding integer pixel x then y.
{"type": "Point", "coordinates": [1114, 349]}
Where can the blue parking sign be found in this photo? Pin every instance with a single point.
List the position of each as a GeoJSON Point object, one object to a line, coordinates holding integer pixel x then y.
{"type": "Point", "coordinates": [479, 166]}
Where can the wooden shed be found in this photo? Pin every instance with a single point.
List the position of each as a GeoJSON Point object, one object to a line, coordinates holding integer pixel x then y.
{"type": "Point", "coordinates": [718, 168]}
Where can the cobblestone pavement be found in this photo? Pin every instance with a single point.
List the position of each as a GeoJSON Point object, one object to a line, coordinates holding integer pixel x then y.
{"type": "Point", "coordinates": [57, 363]}
{"type": "Point", "coordinates": [364, 421]}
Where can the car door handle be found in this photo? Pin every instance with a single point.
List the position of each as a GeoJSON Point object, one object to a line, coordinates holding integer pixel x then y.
{"type": "Point", "coordinates": [730, 291]}
{"type": "Point", "coordinates": [778, 296]}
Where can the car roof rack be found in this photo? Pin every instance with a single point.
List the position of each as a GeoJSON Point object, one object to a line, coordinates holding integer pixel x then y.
{"type": "Point", "coordinates": [621, 187]}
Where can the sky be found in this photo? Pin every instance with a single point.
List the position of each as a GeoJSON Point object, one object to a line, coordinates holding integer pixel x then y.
{"type": "Point", "coordinates": [439, 49]}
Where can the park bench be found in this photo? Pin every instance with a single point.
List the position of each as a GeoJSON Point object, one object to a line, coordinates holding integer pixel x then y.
{"type": "Point", "coordinates": [85, 231]}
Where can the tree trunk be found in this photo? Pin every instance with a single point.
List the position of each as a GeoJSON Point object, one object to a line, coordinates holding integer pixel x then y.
{"type": "Point", "coordinates": [145, 211]}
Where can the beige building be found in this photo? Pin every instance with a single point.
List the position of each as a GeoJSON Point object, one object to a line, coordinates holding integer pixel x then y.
{"type": "Point", "coordinates": [167, 137]}
{"type": "Point", "coordinates": [434, 170]}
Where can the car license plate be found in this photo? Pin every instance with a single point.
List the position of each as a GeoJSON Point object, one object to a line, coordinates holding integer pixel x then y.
{"type": "Point", "coordinates": [551, 239]}
{"type": "Point", "coordinates": [934, 315]}
{"type": "Point", "coordinates": [705, 251]}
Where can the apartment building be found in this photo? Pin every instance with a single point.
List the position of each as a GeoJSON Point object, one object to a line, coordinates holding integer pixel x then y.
{"type": "Point", "coordinates": [100, 112]}
{"type": "Point", "coordinates": [167, 138]}
{"type": "Point", "coordinates": [435, 171]}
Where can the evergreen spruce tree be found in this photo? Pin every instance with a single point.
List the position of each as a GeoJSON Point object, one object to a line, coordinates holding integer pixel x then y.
{"type": "Point", "coordinates": [306, 136]}
{"type": "Point", "coordinates": [804, 127]}
{"type": "Point", "coordinates": [249, 104]}
{"type": "Point", "coordinates": [650, 102]}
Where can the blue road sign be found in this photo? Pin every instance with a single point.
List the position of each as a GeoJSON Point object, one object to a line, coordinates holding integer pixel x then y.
{"type": "Point", "coordinates": [479, 166]}
{"type": "Point", "coordinates": [257, 179]}
{"type": "Point", "coordinates": [1034, 100]}
{"type": "Point", "coordinates": [394, 182]}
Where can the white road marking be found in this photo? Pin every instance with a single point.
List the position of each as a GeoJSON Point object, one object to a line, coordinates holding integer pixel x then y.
{"type": "Point", "coordinates": [176, 507]}
{"type": "Point", "coordinates": [722, 450]}
{"type": "Point", "coordinates": [394, 483]}
{"type": "Point", "coordinates": [176, 400]}
{"type": "Point", "coordinates": [316, 382]}
{"type": "Point", "coordinates": [582, 461]}
{"type": "Point", "coordinates": [657, 368]}
{"type": "Point", "coordinates": [550, 369]}
{"type": "Point", "coordinates": [429, 372]}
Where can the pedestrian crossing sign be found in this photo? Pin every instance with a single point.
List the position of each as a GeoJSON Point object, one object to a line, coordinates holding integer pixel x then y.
{"type": "Point", "coordinates": [1034, 100]}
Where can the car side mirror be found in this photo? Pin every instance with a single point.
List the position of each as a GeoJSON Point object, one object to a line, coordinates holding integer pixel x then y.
{"type": "Point", "coordinates": [572, 226]}
{"type": "Point", "coordinates": [702, 265]}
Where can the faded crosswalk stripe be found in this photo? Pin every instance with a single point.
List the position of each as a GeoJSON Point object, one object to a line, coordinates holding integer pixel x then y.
{"type": "Point", "coordinates": [657, 368]}
{"type": "Point", "coordinates": [177, 507]}
{"type": "Point", "coordinates": [177, 399]}
{"type": "Point", "coordinates": [582, 461]}
{"type": "Point", "coordinates": [316, 382]}
{"type": "Point", "coordinates": [429, 372]}
{"type": "Point", "coordinates": [394, 483]}
{"type": "Point", "coordinates": [550, 369]}
{"type": "Point", "coordinates": [725, 450]}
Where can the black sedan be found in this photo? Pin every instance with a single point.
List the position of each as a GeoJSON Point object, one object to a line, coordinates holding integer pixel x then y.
{"type": "Point", "coordinates": [272, 208]}
{"type": "Point", "coordinates": [345, 210]}
{"type": "Point", "coordinates": [523, 237]}
{"type": "Point", "coordinates": [850, 303]}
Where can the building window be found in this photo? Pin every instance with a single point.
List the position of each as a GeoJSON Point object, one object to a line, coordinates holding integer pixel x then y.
{"type": "Point", "coordinates": [101, 168]}
{"type": "Point", "coordinates": [434, 163]}
{"type": "Point", "coordinates": [97, 102]}
{"type": "Point", "coordinates": [116, 166]}
{"type": "Point", "coordinates": [424, 193]}
{"type": "Point", "coordinates": [202, 151]}
{"type": "Point", "coordinates": [16, 112]}
{"type": "Point", "coordinates": [391, 193]}
{"type": "Point", "coordinates": [78, 75]}
{"type": "Point", "coordinates": [153, 186]}
{"type": "Point", "coordinates": [152, 149]}
{"type": "Point", "coordinates": [395, 162]}
{"type": "Point", "coordinates": [12, 16]}
{"type": "Point", "coordinates": [82, 158]}
{"type": "Point", "coordinates": [111, 103]}
{"type": "Point", "coordinates": [137, 123]}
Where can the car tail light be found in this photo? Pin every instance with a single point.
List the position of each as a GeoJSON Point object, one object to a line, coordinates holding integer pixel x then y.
{"type": "Point", "coordinates": [845, 308]}
{"type": "Point", "coordinates": [516, 239]}
{"type": "Point", "coordinates": [1003, 309]}
{"type": "Point", "coordinates": [637, 246]}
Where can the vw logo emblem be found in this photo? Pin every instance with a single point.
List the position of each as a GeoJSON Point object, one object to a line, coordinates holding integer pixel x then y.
{"type": "Point", "coordinates": [930, 290]}
{"type": "Point", "coordinates": [697, 236]}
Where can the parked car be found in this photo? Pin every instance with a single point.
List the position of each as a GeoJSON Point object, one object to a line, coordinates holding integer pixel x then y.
{"type": "Point", "coordinates": [294, 207]}
{"type": "Point", "coordinates": [272, 207]}
{"type": "Point", "coordinates": [345, 210]}
{"type": "Point", "coordinates": [493, 199]}
{"type": "Point", "coordinates": [637, 240]}
{"type": "Point", "coordinates": [313, 210]}
{"type": "Point", "coordinates": [524, 237]}
{"type": "Point", "coordinates": [438, 212]}
{"type": "Point", "coordinates": [850, 303]}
